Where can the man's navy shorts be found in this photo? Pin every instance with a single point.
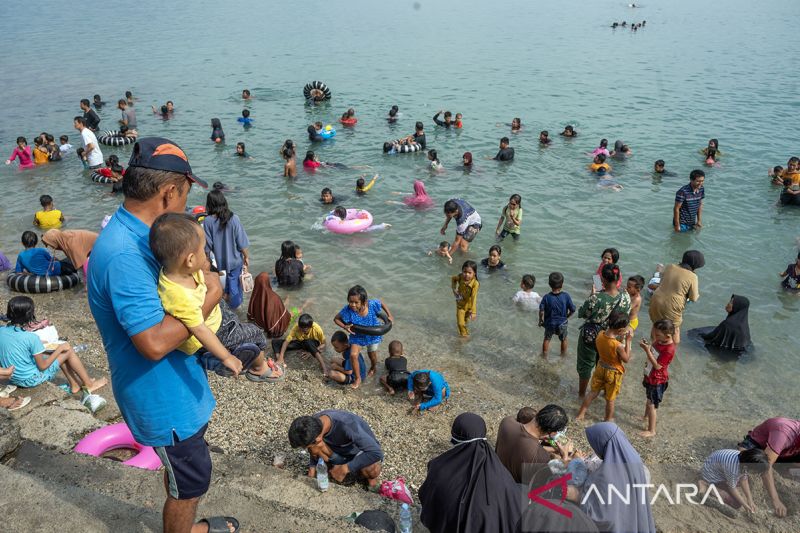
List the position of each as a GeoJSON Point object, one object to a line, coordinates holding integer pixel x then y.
{"type": "Point", "coordinates": [188, 466]}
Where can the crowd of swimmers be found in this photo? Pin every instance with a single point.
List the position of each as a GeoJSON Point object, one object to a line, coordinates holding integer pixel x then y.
{"type": "Point", "coordinates": [605, 345]}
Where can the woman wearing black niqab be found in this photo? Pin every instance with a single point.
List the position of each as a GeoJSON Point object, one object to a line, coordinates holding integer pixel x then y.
{"type": "Point", "coordinates": [468, 490]}
{"type": "Point", "coordinates": [733, 333]}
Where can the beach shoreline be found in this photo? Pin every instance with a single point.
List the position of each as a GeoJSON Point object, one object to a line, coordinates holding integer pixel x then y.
{"type": "Point", "coordinates": [252, 420]}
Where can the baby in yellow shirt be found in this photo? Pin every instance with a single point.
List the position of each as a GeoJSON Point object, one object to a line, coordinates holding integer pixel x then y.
{"type": "Point", "coordinates": [178, 243]}
{"type": "Point", "coordinates": [48, 217]}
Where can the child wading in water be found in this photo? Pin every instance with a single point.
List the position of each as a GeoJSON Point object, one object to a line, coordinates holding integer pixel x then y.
{"type": "Point", "coordinates": [510, 219]}
{"type": "Point", "coordinates": [554, 311]}
{"type": "Point", "coordinates": [608, 374]}
{"type": "Point", "coordinates": [634, 289]}
{"type": "Point", "coordinates": [656, 376]}
{"type": "Point", "coordinates": [465, 288]}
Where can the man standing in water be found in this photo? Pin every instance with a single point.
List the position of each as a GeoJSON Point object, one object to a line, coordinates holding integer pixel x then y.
{"type": "Point", "coordinates": [163, 394]}
{"type": "Point", "coordinates": [688, 211]}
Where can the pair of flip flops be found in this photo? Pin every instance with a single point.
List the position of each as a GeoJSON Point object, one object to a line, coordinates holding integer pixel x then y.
{"type": "Point", "coordinates": [219, 524]}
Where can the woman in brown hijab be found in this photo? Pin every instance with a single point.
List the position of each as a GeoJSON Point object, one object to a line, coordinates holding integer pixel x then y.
{"type": "Point", "coordinates": [75, 243]}
{"type": "Point", "coordinates": [267, 309]}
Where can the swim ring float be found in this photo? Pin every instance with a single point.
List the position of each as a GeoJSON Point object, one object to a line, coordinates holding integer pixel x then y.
{"type": "Point", "coordinates": [374, 331]}
{"type": "Point", "coordinates": [114, 437]}
{"type": "Point", "coordinates": [357, 220]}
{"type": "Point", "coordinates": [35, 284]}
{"type": "Point", "coordinates": [99, 178]}
{"type": "Point", "coordinates": [789, 199]}
{"type": "Point", "coordinates": [328, 132]}
{"type": "Point", "coordinates": [348, 121]}
{"type": "Point", "coordinates": [113, 138]}
{"type": "Point", "coordinates": [316, 86]}
{"type": "Point", "coordinates": [406, 148]}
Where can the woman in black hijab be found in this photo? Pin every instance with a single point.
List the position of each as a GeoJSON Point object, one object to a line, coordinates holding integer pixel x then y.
{"type": "Point", "coordinates": [468, 490]}
{"type": "Point", "coordinates": [733, 333]}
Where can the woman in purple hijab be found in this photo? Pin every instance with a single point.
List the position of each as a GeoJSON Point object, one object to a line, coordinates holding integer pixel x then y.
{"type": "Point", "coordinates": [623, 468]}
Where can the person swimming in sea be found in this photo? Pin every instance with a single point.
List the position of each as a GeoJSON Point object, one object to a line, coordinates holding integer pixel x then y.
{"type": "Point", "coordinates": [569, 131]}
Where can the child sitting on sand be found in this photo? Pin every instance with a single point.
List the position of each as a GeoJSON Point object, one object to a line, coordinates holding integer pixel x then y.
{"type": "Point", "coordinates": [444, 251]}
{"type": "Point", "coordinates": [178, 243]}
{"type": "Point", "coordinates": [608, 374]}
{"type": "Point", "coordinates": [427, 389]}
{"type": "Point", "coordinates": [465, 288]}
{"type": "Point", "coordinates": [307, 336]}
{"type": "Point", "coordinates": [526, 298]}
{"type": "Point", "coordinates": [656, 375]}
{"type": "Point", "coordinates": [634, 289]}
{"type": "Point", "coordinates": [396, 378]}
{"type": "Point", "coordinates": [341, 370]}
{"type": "Point", "coordinates": [33, 362]}
{"type": "Point", "coordinates": [728, 471]}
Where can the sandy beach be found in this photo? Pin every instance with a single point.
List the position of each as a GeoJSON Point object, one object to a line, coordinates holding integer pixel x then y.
{"type": "Point", "coordinates": [251, 420]}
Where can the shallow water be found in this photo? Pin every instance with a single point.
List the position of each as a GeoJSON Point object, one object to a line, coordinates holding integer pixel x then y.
{"type": "Point", "coordinates": [665, 90]}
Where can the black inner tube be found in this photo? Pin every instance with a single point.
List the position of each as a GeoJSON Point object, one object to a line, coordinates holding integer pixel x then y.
{"type": "Point", "coordinates": [374, 331]}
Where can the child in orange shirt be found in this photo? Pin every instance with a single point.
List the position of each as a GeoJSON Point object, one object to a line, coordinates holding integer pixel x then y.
{"type": "Point", "coordinates": [608, 374]}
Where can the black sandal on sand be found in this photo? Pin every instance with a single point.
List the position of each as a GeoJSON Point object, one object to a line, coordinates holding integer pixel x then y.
{"type": "Point", "coordinates": [264, 378]}
{"type": "Point", "coordinates": [219, 524]}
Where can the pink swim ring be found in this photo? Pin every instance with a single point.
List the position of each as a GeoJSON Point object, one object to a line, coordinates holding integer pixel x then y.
{"type": "Point", "coordinates": [117, 436]}
{"type": "Point", "coordinates": [357, 220]}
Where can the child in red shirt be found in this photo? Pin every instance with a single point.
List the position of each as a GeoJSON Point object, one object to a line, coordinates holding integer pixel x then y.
{"type": "Point", "coordinates": [656, 378]}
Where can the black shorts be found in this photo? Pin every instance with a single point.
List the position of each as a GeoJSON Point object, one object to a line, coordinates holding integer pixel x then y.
{"type": "Point", "coordinates": [470, 233]}
{"type": "Point", "coordinates": [561, 331]}
{"type": "Point", "coordinates": [188, 466]}
{"type": "Point", "coordinates": [398, 381]}
{"type": "Point", "coordinates": [655, 393]}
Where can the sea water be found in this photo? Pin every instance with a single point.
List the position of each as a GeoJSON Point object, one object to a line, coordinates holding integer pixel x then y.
{"type": "Point", "coordinates": [722, 69]}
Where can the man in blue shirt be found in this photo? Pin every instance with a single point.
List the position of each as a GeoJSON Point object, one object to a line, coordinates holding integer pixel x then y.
{"type": "Point", "coordinates": [36, 260]}
{"type": "Point", "coordinates": [688, 210]}
{"type": "Point", "coordinates": [163, 394]}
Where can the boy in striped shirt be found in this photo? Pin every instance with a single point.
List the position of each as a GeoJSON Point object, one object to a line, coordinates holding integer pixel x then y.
{"type": "Point", "coordinates": [727, 470]}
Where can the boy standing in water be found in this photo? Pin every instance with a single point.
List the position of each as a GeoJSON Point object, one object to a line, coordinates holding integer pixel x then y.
{"type": "Point", "coordinates": [554, 311]}
{"type": "Point", "coordinates": [608, 374]}
{"type": "Point", "coordinates": [634, 290]}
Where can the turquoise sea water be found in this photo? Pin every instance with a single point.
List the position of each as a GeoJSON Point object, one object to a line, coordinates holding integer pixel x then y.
{"type": "Point", "coordinates": [696, 71]}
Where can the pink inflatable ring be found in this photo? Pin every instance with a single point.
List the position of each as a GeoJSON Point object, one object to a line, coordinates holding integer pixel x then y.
{"type": "Point", "coordinates": [357, 220]}
{"type": "Point", "coordinates": [118, 436]}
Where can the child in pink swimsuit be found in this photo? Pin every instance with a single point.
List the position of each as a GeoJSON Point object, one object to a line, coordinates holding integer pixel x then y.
{"type": "Point", "coordinates": [23, 152]}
